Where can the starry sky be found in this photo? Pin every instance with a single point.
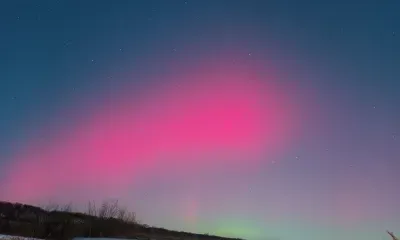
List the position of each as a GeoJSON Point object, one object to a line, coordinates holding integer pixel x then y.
{"type": "Point", "coordinates": [253, 119]}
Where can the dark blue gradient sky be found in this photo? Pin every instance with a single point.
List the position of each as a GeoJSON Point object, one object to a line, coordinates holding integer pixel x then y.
{"type": "Point", "coordinates": [337, 63]}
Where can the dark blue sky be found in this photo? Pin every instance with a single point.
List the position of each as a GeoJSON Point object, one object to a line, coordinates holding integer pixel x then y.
{"type": "Point", "coordinates": [62, 59]}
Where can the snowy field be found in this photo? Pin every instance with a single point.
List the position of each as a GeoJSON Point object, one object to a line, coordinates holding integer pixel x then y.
{"type": "Point", "coordinates": [14, 237]}
{"type": "Point", "coordinates": [3, 237]}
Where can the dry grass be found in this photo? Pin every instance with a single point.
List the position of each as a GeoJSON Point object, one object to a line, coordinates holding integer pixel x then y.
{"type": "Point", "coordinates": [111, 209]}
{"type": "Point", "coordinates": [107, 210]}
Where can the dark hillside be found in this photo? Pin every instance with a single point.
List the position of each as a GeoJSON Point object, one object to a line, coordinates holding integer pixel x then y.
{"type": "Point", "coordinates": [107, 221]}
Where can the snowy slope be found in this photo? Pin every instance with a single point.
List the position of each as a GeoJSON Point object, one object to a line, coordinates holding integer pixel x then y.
{"type": "Point", "coordinates": [3, 237]}
{"type": "Point", "coordinates": [13, 237]}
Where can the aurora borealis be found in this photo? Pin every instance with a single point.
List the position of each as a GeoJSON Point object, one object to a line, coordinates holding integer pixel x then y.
{"type": "Point", "coordinates": [253, 119]}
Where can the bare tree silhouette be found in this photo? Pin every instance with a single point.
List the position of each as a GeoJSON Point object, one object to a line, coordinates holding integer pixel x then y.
{"type": "Point", "coordinates": [392, 235]}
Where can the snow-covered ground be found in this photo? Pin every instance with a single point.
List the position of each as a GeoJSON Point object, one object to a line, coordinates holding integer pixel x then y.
{"type": "Point", "coordinates": [79, 238]}
{"type": "Point", "coordinates": [3, 237]}
{"type": "Point", "coordinates": [13, 237]}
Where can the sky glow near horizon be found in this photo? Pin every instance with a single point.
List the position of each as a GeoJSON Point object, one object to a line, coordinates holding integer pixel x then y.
{"type": "Point", "coordinates": [258, 119]}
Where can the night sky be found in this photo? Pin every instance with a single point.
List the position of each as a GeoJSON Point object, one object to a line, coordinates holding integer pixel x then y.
{"type": "Point", "coordinates": [253, 119]}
